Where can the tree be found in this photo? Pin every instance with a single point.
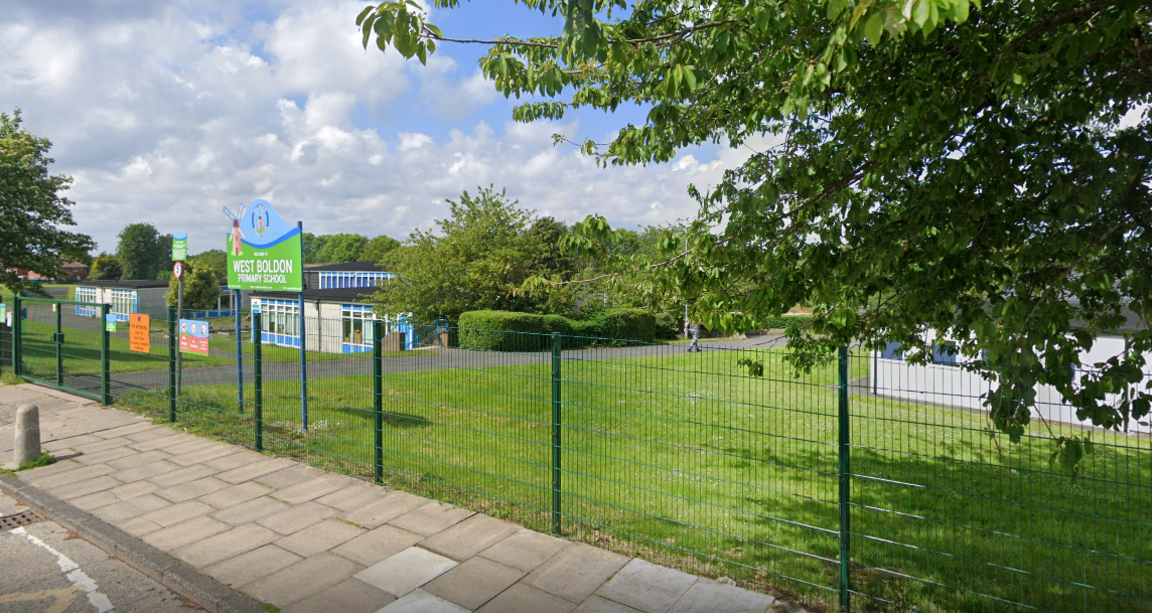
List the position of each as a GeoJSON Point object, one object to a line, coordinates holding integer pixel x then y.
{"type": "Point", "coordinates": [313, 246]}
{"type": "Point", "coordinates": [32, 211]}
{"type": "Point", "coordinates": [476, 260]}
{"type": "Point", "coordinates": [379, 249]}
{"type": "Point", "coordinates": [143, 252]}
{"type": "Point", "coordinates": [939, 166]}
{"type": "Point", "coordinates": [342, 248]}
{"type": "Point", "coordinates": [201, 288]}
{"type": "Point", "coordinates": [105, 268]}
{"type": "Point", "coordinates": [215, 260]}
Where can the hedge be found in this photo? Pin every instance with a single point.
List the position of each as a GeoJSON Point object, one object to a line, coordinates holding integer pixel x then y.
{"type": "Point", "coordinates": [512, 331]}
{"type": "Point", "coordinates": [787, 322]}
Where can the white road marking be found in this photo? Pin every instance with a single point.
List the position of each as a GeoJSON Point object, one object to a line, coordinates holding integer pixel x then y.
{"type": "Point", "coordinates": [73, 572]}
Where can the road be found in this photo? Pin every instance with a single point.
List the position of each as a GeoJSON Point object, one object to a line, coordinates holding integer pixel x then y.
{"type": "Point", "coordinates": [44, 568]}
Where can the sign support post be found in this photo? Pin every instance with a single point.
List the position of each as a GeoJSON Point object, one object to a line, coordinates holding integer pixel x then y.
{"type": "Point", "coordinates": [303, 342]}
{"type": "Point", "coordinates": [178, 270]}
{"type": "Point", "coordinates": [239, 352]}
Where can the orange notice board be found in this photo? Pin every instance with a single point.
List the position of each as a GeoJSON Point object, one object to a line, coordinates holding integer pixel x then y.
{"type": "Point", "coordinates": [138, 339]}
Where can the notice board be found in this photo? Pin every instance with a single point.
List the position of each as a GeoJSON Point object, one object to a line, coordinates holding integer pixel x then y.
{"type": "Point", "coordinates": [138, 338]}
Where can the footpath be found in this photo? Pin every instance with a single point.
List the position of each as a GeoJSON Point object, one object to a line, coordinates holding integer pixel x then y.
{"type": "Point", "coordinates": [307, 541]}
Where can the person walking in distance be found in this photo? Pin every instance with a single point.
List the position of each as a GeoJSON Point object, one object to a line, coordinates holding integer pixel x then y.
{"type": "Point", "coordinates": [694, 331]}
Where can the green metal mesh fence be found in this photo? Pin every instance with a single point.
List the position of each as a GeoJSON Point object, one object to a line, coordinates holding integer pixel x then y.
{"type": "Point", "coordinates": [865, 482]}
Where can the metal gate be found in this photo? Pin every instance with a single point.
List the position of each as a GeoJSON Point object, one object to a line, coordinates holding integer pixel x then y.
{"type": "Point", "coordinates": [62, 344]}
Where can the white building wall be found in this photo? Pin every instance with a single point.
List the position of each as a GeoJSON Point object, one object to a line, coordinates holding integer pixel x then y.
{"type": "Point", "coordinates": [957, 387]}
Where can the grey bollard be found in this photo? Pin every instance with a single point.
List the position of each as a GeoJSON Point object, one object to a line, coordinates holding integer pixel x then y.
{"type": "Point", "coordinates": [27, 434]}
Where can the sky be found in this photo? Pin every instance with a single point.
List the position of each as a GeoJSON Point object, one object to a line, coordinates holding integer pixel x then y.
{"type": "Point", "coordinates": [165, 112]}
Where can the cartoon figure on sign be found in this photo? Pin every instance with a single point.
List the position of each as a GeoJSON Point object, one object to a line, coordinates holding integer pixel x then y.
{"type": "Point", "coordinates": [237, 233]}
{"type": "Point", "coordinates": [260, 218]}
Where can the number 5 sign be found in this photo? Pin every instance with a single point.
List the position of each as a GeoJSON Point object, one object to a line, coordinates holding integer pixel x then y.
{"type": "Point", "coordinates": [178, 269]}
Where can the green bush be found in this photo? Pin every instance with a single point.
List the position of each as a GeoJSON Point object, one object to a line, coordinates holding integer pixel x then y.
{"type": "Point", "coordinates": [667, 327]}
{"type": "Point", "coordinates": [501, 331]}
{"type": "Point", "coordinates": [787, 322]}
{"type": "Point", "coordinates": [511, 331]}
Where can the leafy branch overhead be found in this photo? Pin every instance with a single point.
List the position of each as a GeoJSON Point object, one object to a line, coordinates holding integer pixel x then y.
{"type": "Point", "coordinates": [924, 169]}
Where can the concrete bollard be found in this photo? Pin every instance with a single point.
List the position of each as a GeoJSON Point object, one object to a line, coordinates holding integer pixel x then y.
{"type": "Point", "coordinates": [27, 434]}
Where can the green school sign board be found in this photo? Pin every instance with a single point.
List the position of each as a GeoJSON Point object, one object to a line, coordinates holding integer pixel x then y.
{"type": "Point", "coordinates": [180, 247]}
{"type": "Point", "coordinates": [263, 250]}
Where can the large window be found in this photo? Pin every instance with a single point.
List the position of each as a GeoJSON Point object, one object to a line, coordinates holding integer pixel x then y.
{"type": "Point", "coordinates": [123, 303]}
{"type": "Point", "coordinates": [280, 317]}
{"type": "Point", "coordinates": [357, 321]}
{"type": "Point", "coordinates": [86, 294]}
{"type": "Point", "coordinates": [336, 280]}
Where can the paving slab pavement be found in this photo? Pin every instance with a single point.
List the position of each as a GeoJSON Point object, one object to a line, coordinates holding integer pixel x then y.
{"type": "Point", "coordinates": [304, 540]}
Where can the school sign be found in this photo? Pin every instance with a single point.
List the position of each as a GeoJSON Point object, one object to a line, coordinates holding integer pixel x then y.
{"type": "Point", "coordinates": [264, 252]}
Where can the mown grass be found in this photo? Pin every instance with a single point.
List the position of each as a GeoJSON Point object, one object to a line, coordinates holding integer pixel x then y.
{"type": "Point", "coordinates": [686, 460]}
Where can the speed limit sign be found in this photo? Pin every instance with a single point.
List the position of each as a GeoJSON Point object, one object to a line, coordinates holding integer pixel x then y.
{"type": "Point", "coordinates": [178, 269]}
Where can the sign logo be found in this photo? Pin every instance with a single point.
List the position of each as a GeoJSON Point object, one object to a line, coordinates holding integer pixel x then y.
{"type": "Point", "coordinates": [260, 218]}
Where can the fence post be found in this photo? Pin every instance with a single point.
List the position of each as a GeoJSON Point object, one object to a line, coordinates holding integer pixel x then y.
{"type": "Point", "coordinates": [16, 326]}
{"type": "Point", "coordinates": [105, 375]}
{"type": "Point", "coordinates": [556, 432]}
{"type": "Point", "coordinates": [58, 340]}
{"type": "Point", "coordinates": [258, 378]}
{"type": "Point", "coordinates": [378, 400]}
{"type": "Point", "coordinates": [845, 482]}
{"type": "Point", "coordinates": [172, 364]}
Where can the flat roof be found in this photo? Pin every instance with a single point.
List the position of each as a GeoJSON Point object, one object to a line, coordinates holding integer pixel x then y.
{"type": "Point", "coordinates": [343, 294]}
{"type": "Point", "coordinates": [362, 266]}
{"type": "Point", "coordinates": [125, 284]}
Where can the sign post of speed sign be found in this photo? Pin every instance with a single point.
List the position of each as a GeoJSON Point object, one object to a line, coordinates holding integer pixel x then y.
{"type": "Point", "coordinates": [178, 269]}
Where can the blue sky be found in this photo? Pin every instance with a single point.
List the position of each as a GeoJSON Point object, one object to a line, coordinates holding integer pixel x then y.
{"type": "Point", "coordinates": [167, 111]}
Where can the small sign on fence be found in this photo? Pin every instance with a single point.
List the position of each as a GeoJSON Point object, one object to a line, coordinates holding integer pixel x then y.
{"type": "Point", "coordinates": [4, 314]}
{"type": "Point", "coordinates": [110, 322]}
{"type": "Point", "coordinates": [138, 334]}
{"type": "Point", "coordinates": [194, 336]}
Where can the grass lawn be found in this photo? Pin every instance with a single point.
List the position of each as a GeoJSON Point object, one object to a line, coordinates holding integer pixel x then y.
{"type": "Point", "coordinates": [686, 460]}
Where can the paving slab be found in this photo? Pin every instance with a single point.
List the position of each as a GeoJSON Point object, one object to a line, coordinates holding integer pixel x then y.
{"type": "Point", "coordinates": [432, 518]}
{"type": "Point", "coordinates": [348, 596]}
{"type": "Point", "coordinates": [191, 531]}
{"type": "Point", "coordinates": [297, 518]}
{"type": "Point", "coordinates": [182, 475]}
{"type": "Point", "coordinates": [391, 506]}
{"type": "Point", "coordinates": [91, 502]}
{"type": "Point", "coordinates": [67, 477]}
{"type": "Point", "coordinates": [469, 537]}
{"type": "Point", "coordinates": [647, 587]}
{"type": "Point", "coordinates": [100, 445]}
{"type": "Point", "coordinates": [234, 459]}
{"type": "Point", "coordinates": [127, 509]}
{"type": "Point", "coordinates": [254, 470]}
{"type": "Point", "coordinates": [419, 601]}
{"type": "Point", "coordinates": [72, 491]}
{"type": "Point", "coordinates": [162, 443]}
{"type": "Point", "coordinates": [302, 579]}
{"type": "Point", "coordinates": [521, 598]}
{"type": "Point", "coordinates": [203, 456]}
{"type": "Point", "coordinates": [192, 489]}
{"type": "Point", "coordinates": [576, 572]}
{"type": "Point", "coordinates": [134, 489]}
{"type": "Point", "coordinates": [115, 453]}
{"type": "Point", "coordinates": [323, 536]}
{"type": "Point", "coordinates": [247, 512]}
{"type": "Point", "coordinates": [596, 604]}
{"type": "Point", "coordinates": [406, 571]}
{"type": "Point", "coordinates": [706, 596]}
{"type": "Point", "coordinates": [311, 489]}
{"type": "Point", "coordinates": [376, 545]}
{"type": "Point", "coordinates": [137, 473]}
{"type": "Point", "coordinates": [525, 550]}
{"type": "Point", "coordinates": [149, 434]}
{"type": "Point", "coordinates": [286, 477]}
{"type": "Point", "coordinates": [235, 494]}
{"type": "Point", "coordinates": [139, 527]}
{"type": "Point", "coordinates": [241, 539]}
{"type": "Point", "coordinates": [353, 496]}
{"type": "Point", "coordinates": [139, 459]}
{"type": "Point", "coordinates": [179, 513]}
{"type": "Point", "coordinates": [473, 582]}
{"type": "Point", "coordinates": [252, 566]}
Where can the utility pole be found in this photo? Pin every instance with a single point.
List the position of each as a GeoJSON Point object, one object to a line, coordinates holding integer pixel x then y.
{"type": "Point", "coordinates": [179, 256]}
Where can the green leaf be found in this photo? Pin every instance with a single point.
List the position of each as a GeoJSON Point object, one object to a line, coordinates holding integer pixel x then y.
{"type": "Point", "coordinates": [921, 12]}
{"type": "Point", "coordinates": [873, 29]}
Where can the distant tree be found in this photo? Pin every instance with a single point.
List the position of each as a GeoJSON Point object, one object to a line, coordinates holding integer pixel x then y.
{"type": "Point", "coordinates": [201, 287]}
{"type": "Point", "coordinates": [143, 252]}
{"type": "Point", "coordinates": [474, 260]}
{"type": "Point", "coordinates": [313, 246]}
{"type": "Point", "coordinates": [342, 248]}
{"type": "Point", "coordinates": [214, 259]}
{"type": "Point", "coordinates": [379, 249]}
{"type": "Point", "coordinates": [105, 267]}
{"type": "Point", "coordinates": [32, 211]}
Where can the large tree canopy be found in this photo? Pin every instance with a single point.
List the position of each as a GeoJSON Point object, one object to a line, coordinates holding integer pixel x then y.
{"type": "Point", "coordinates": [946, 167]}
{"type": "Point", "coordinates": [143, 252]}
{"type": "Point", "coordinates": [32, 211]}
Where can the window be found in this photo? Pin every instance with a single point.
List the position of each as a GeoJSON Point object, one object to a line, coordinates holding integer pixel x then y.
{"type": "Point", "coordinates": [336, 280]}
{"type": "Point", "coordinates": [86, 294]}
{"type": "Point", "coordinates": [280, 317]}
{"type": "Point", "coordinates": [892, 351]}
{"type": "Point", "coordinates": [357, 322]}
{"type": "Point", "coordinates": [944, 354]}
{"type": "Point", "coordinates": [123, 303]}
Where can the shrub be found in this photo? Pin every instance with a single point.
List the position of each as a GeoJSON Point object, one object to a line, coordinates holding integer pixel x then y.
{"type": "Point", "coordinates": [626, 324]}
{"type": "Point", "coordinates": [667, 326]}
{"type": "Point", "coordinates": [501, 331]}
{"type": "Point", "coordinates": [787, 322]}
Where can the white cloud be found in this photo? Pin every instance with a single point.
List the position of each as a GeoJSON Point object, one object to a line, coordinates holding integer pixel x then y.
{"type": "Point", "coordinates": [166, 113]}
